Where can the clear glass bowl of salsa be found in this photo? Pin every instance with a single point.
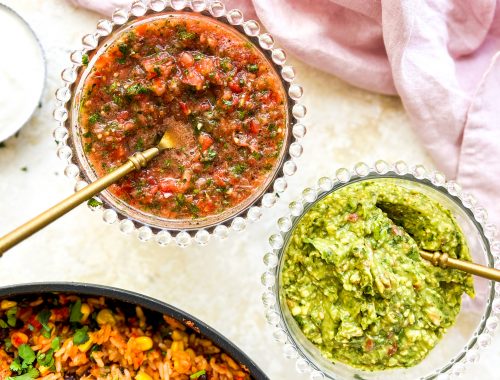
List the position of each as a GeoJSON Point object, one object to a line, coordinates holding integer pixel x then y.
{"type": "Point", "coordinates": [220, 88]}
{"type": "Point", "coordinates": [476, 321]}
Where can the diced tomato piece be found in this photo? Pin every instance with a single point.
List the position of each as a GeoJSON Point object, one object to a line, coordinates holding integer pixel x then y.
{"type": "Point", "coordinates": [369, 345]}
{"type": "Point", "coordinates": [393, 349]}
{"type": "Point", "coordinates": [159, 86]}
{"type": "Point", "coordinates": [206, 205]}
{"type": "Point", "coordinates": [184, 108]}
{"type": "Point", "coordinates": [18, 338]}
{"type": "Point", "coordinates": [169, 185]}
{"type": "Point", "coordinates": [352, 217]}
{"type": "Point", "coordinates": [34, 322]}
{"type": "Point", "coordinates": [194, 78]}
{"type": "Point", "coordinates": [220, 178]}
{"type": "Point", "coordinates": [254, 126]}
{"type": "Point", "coordinates": [141, 29]}
{"type": "Point", "coordinates": [122, 116]}
{"type": "Point", "coordinates": [119, 153]}
{"type": "Point", "coordinates": [60, 314]}
{"type": "Point", "coordinates": [205, 66]}
{"type": "Point", "coordinates": [235, 86]}
{"type": "Point", "coordinates": [186, 59]}
{"type": "Point", "coordinates": [205, 141]}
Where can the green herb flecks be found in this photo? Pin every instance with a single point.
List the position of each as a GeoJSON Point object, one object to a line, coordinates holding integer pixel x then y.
{"type": "Point", "coordinates": [209, 156]}
{"type": "Point", "coordinates": [225, 64]}
{"type": "Point", "coordinates": [253, 68]}
{"type": "Point", "coordinates": [184, 35]}
{"type": "Point", "coordinates": [125, 50]}
{"type": "Point", "coordinates": [85, 59]}
{"type": "Point", "coordinates": [198, 374]}
{"type": "Point", "coordinates": [11, 316]}
{"type": "Point", "coordinates": [137, 89]}
{"type": "Point", "coordinates": [81, 336]}
{"type": "Point", "coordinates": [139, 145]}
{"type": "Point", "coordinates": [43, 317]}
{"type": "Point", "coordinates": [238, 169]}
{"type": "Point", "coordinates": [94, 203]}
{"type": "Point", "coordinates": [75, 315]}
{"type": "Point", "coordinates": [94, 118]}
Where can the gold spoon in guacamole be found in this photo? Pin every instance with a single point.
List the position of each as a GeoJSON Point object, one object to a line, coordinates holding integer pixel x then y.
{"type": "Point", "coordinates": [443, 260]}
{"type": "Point", "coordinates": [137, 161]}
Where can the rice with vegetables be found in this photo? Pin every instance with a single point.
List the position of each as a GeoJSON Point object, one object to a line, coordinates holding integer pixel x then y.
{"type": "Point", "coordinates": [71, 337]}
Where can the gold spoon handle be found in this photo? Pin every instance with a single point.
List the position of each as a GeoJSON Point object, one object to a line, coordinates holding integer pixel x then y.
{"type": "Point", "coordinates": [444, 261]}
{"type": "Point", "coordinates": [136, 161]}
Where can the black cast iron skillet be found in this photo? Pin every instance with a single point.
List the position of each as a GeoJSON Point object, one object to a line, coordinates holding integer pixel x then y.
{"type": "Point", "coordinates": [151, 306]}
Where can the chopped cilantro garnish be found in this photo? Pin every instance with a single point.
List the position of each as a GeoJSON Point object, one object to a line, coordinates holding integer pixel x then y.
{"type": "Point", "coordinates": [24, 169]}
{"type": "Point", "coordinates": [43, 317]}
{"type": "Point", "coordinates": [253, 68]}
{"type": "Point", "coordinates": [27, 354]}
{"type": "Point", "coordinates": [228, 103]}
{"type": "Point", "coordinates": [16, 366]}
{"type": "Point", "coordinates": [241, 114]}
{"type": "Point", "coordinates": [94, 118]}
{"type": "Point", "coordinates": [75, 314]}
{"type": "Point", "coordinates": [11, 316]}
{"type": "Point", "coordinates": [125, 50]}
{"type": "Point", "coordinates": [87, 135]}
{"type": "Point", "coordinates": [31, 374]}
{"type": "Point", "coordinates": [225, 64]}
{"type": "Point", "coordinates": [198, 374]}
{"type": "Point", "coordinates": [81, 336]}
{"type": "Point", "coordinates": [198, 56]}
{"type": "Point", "coordinates": [87, 147]}
{"type": "Point", "coordinates": [257, 155]}
{"type": "Point", "coordinates": [209, 155]}
{"type": "Point", "coordinates": [85, 59]}
{"type": "Point", "coordinates": [139, 145]}
{"type": "Point", "coordinates": [56, 343]}
{"type": "Point", "coordinates": [92, 202]}
{"type": "Point", "coordinates": [46, 359]}
{"type": "Point", "coordinates": [183, 34]}
{"type": "Point", "coordinates": [157, 70]}
{"type": "Point", "coordinates": [180, 200]}
{"type": "Point", "coordinates": [137, 89]}
{"type": "Point", "coordinates": [238, 169]}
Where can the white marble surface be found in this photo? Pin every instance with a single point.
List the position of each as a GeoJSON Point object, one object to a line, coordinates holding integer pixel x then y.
{"type": "Point", "coordinates": [219, 283]}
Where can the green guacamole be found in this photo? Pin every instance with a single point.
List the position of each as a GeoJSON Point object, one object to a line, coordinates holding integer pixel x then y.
{"type": "Point", "coordinates": [355, 283]}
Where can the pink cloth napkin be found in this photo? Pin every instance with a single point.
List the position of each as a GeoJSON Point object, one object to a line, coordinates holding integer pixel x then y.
{"type": "Point", "coordinates": [440, 56]}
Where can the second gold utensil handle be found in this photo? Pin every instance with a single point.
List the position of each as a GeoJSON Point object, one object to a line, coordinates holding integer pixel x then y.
{"type": "Point", "coordinates": [466, 266]}
{"type": "Point", "coordinates": [136, 161]}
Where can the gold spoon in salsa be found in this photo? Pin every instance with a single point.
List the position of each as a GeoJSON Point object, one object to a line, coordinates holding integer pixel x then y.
{"type": "Point", "coordinates": [137, 161]}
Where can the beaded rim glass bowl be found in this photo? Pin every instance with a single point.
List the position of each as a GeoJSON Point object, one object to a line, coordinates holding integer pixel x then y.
{"type": "Point", "coordinates": [477, 320]}
{"type": "Point", "coordinates": [147, 226]}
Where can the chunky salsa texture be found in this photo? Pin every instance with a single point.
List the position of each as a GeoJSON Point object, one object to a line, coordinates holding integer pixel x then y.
{"type": "Point", "coordinates": [355, 283]}
{"type": "Point", "coordinates": [213, 91]}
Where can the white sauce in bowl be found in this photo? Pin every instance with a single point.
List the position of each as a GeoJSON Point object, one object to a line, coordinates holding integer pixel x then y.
{"type": "Point", "coordinates": [22, 72]}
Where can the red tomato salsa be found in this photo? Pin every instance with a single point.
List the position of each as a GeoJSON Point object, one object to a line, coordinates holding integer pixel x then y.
{"type": "Point", "coordinates": [215, 93]}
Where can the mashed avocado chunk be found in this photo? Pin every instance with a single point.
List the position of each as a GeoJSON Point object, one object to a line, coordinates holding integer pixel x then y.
{"type": "Point", "coordinates": [354, 280]}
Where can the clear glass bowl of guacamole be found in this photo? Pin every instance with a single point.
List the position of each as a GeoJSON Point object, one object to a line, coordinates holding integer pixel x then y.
{"type": "Point", "coordinates": [348, 294]}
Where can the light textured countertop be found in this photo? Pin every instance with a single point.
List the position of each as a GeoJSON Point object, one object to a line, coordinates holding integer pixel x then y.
{"type": "Point", "coordinates": [218, 283]}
